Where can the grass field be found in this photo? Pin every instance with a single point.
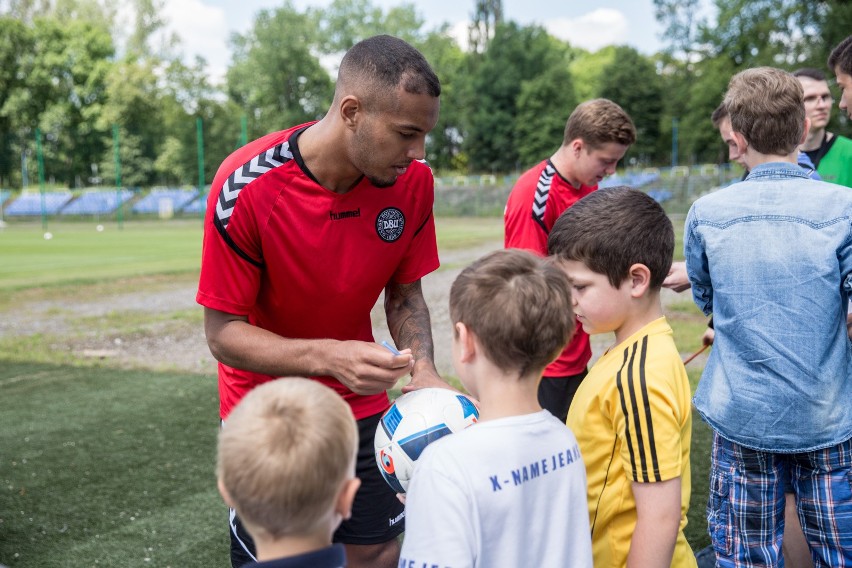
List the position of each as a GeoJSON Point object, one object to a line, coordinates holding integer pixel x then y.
{"type": "Point", "coordinates": [102, 466]}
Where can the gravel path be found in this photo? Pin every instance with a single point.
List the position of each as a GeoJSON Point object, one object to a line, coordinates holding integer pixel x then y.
{"type": "Point", "coordinates": [90, 325]}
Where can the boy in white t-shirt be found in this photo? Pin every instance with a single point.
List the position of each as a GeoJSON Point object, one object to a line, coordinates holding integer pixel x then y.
{"type": "Point", "coordinates": [511, 489]}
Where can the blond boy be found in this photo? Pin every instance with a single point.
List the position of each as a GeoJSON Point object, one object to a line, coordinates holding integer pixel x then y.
{"type": "Point", "coordinates": [632, 414]}
{"type": "Point", "coordinates": [286, 463]}
{"type": "Point", "coordinates": [509, 490]}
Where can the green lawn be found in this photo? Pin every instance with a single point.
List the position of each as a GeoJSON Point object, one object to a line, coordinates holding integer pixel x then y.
{"type": "Point", "coordinates": [79, 253]}
{"type": "Point", "coordinates": [110, 467]}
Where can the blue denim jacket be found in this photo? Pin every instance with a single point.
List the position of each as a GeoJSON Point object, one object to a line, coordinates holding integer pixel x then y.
{"type": "Point", "coordinates": [771, 258]}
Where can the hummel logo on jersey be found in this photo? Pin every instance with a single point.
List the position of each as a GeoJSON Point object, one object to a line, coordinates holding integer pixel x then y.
{"type": "Point", "coordinates": [390, 223]}
{"type": "Point", "coordinates": [337, 216]}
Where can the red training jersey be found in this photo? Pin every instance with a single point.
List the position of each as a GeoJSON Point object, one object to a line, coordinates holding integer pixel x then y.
{"type": "Point", "coordinates": [538, 198]}
{"type": "Point", "coordinates": [304, 262]}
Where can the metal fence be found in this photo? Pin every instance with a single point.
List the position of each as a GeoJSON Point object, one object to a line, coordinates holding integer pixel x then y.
{"type": "Point", "coordinates": [455, 196]}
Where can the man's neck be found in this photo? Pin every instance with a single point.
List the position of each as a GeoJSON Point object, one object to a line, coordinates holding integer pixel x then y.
{"type": "Point", "coordinates": [271, 549]}
{"type": "Point", "coordinates": [754, 159]}
{"type": "Point", "coordinates": [814, 140]}
{"type": "Point", "coordinates": [563, 163]}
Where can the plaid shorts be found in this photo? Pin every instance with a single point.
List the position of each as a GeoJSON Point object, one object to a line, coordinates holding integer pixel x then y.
{"type": "Point", "coordinates": [745, 511]}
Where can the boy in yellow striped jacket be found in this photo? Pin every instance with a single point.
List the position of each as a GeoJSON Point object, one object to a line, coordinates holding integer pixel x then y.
{"type": "Point", "coordinates": [632, 414]}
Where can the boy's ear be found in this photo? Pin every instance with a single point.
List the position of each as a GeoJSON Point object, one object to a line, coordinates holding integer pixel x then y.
{"type": "Point", "coordinates": [343, 506]}
{"type": "Point", "coordinates": [576, 146]}
{"type": "Point", "coordinates": [740, 141]}
{"type": "Point", "coordinates": [467, 345]}
{"type": "Point", "coordinates": [639, 277]}
{"type": "Point", "coordinates": [224, 493]}
{"type": "Point", "coordinates": [805, 131]}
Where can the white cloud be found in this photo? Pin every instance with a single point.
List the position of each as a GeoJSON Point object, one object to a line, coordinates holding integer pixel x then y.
{"type": "Point", "coordinates": [591, 31]}
{"type": "Point", "coordinates": [203, 30]}
{"type": "Point", "coordinates": [459, 32]}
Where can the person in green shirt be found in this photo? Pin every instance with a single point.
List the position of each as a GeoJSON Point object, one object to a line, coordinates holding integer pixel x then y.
{"type": "Point", "coordinates": [830, 153]}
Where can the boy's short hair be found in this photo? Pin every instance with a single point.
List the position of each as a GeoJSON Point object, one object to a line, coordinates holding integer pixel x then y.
{"type": "Point", "coordinates": [284, 453]}
{"type": "Point", "coordinates": [611, 229]}
{"type": "Point", "coordinates": [598, 122]}
{"type": "Point", "coordinates": [767, 107]}
{"type": "Point", "coordinates": [519, 307]}
{"type": "Point", "coordinates": [809, 73]}
{"type": "Point", "coordinates": [719, 114]}
{"type": "Point", "coordinates": [841, 57]}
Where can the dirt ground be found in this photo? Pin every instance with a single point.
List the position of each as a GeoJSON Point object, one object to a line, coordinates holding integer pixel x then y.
{"type": "Point", "coordinates": [93, 325]}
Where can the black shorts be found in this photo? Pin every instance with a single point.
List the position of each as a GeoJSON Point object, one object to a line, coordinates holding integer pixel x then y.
{"type": "Point", "coordinates": [377, 515]}
{"type": "Point", "coordinates": [556, 393]}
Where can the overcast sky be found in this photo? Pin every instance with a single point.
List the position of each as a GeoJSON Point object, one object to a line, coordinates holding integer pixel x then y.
{"type": "Point", "coordinates": [204, 26]}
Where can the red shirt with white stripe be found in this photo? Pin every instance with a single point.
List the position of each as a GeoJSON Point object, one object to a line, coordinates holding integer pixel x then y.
{"type": "Point", "coordinates": [538, 198]}
{"type": "Point", "coordinates": [305, 262]}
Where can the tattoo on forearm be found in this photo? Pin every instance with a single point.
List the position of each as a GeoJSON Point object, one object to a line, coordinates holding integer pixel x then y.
{"type": "Point", "coordinates": [408, 319]}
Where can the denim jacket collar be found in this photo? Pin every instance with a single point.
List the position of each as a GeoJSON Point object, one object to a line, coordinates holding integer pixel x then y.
{"type": "Point", "coordinates": [776, 170]}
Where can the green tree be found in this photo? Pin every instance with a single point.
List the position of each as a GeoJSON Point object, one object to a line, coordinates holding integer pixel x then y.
{"type": "Point", "coordinates": [444, 143]}
{"type": "Point", "coordinates": [346, 22]}
{"type": "Point", "coordinates": [276, 76]}
{"type": "Point", "coordinates": [587, 69]}
{"type": "Point", "coordinates": [64, 91]}
{"type": "Point", "coordinates": [135, 105]}
{"type": "Point", "coordinates": [516, 54]}
{"type": "Point", "coordinates": [544, 104]}
{"type": "Point", "coordinates": [487, 14]}
{"type": "Point", "coordinates": [15, 39]}
{"type": "Point", "coordinates": [632, 82]}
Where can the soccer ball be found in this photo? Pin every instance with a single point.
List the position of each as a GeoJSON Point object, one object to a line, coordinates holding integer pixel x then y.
{"type": "Point", "coordinates": [413, 421]}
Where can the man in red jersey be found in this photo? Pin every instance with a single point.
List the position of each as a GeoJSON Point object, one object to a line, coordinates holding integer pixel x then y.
{"type": "Point", "coordinates": [597, 136]}
{"type": "Point", "coordinates": [304, 229]}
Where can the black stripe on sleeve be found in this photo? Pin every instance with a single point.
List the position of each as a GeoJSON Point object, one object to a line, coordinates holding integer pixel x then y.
{"type": "Point", "coordinates": [619, 383]}
{"type": "Point", "coordinates": [648, 420]}
{"type": "Point", "coordinates": [423, 224]}
{"type": "Point", "coordinates": [634, 407]}
{"type": "Point", "coordinates": [220, 227]}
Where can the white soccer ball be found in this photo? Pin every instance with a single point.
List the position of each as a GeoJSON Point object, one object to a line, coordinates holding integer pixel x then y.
{"type": "Point", "coordinates": [48, 235]}
{"type": "Point", "coordinates": [99, 228]}
{"type": "Point", "coordinates": [414, 421]}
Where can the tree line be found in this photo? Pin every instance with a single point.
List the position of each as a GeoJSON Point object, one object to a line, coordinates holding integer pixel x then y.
{"type": "Point", "coordinates": [73, 81]}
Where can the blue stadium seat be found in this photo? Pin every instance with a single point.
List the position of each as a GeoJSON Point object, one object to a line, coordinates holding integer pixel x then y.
{"type": "Point", "coordinates": [660, 195]}
{"type": "Point", "coordinates": [197, 206]}
{"type": "Point", "coordinates": [28, 204]}
{"type": "Point", "coordinates": [158, 197]}
{"type": "Point", "coordinates": [96, 202]}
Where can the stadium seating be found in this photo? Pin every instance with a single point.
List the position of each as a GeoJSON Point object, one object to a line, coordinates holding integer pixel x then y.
{"type": "Point", "coordinates": [660, 195]}
{"type": "Point", "coordinates": [160, 198]}
{"type": "Point", "coordinates": [633, 179]}
{"type": "Point", "coordinates": [28, 204]}
{"type": "Point", "coordinates": [197, 206]}
{"type": "Point", "coordinates": [96, 202]}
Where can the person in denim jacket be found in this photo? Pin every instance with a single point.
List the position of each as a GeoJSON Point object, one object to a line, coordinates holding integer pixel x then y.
{"type": "Point", "coordinates": [771, 258]}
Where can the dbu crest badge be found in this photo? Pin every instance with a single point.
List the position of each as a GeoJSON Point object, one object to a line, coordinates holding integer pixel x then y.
{"type": "Point", "coordinates": [390, 223]}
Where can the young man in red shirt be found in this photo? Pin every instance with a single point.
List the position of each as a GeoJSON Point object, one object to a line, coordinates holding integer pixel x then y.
{"type": "Point", "coordinates": [597, 135]}
{"type": "Point", "coordinates": [304, 230]}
